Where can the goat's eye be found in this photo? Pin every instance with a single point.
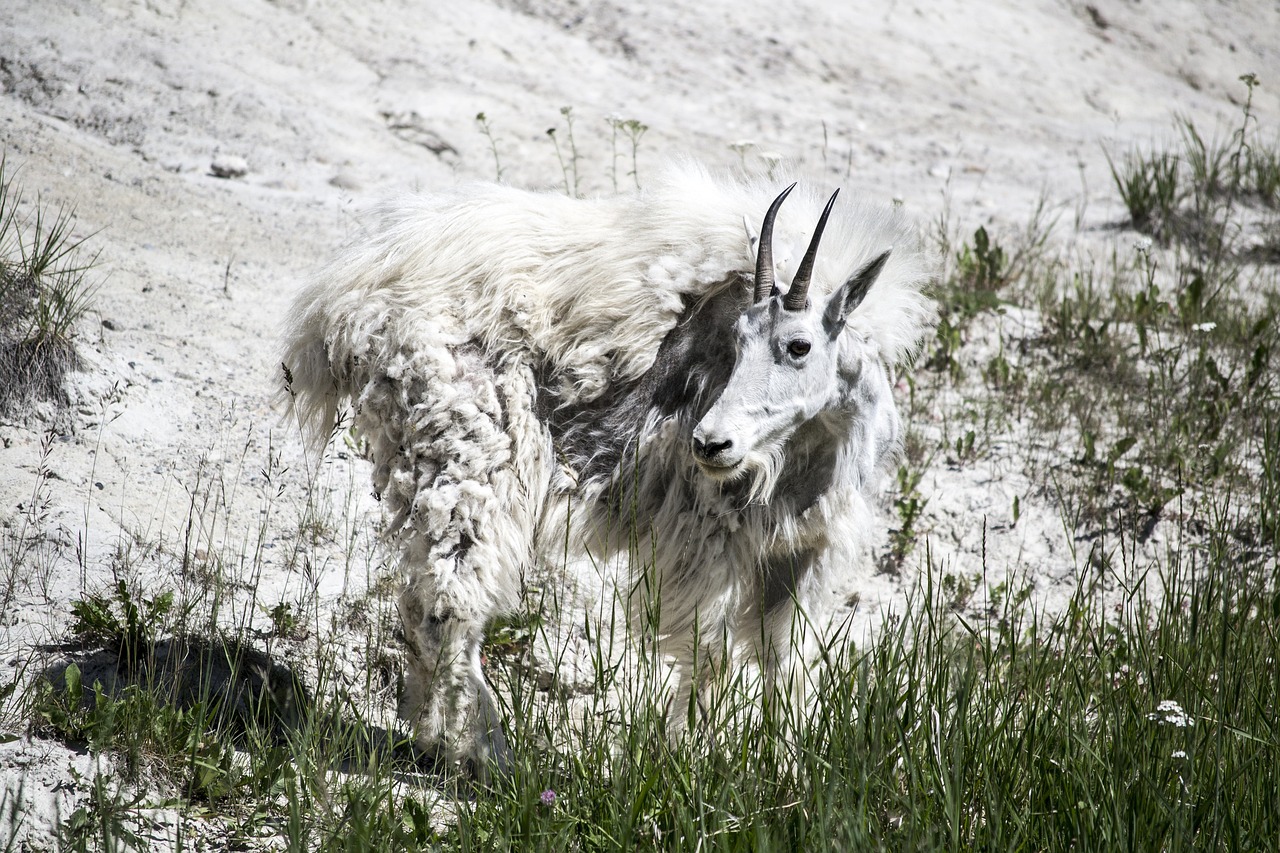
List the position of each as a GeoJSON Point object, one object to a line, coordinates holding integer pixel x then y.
{"type": "Point", "coordinates": [798, 348]}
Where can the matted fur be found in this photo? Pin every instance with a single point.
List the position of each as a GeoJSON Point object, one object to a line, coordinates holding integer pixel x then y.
{"type": "Point", "coordinates": [507, 353]}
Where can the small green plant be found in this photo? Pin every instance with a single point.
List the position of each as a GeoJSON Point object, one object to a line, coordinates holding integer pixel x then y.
{"type": "Point", "coordinates": [982, 267]}
{"type": "Point", "coordinates": [485, 128]}
{"type": "Point", "coordinates": [1148, 186]}
{"type": "Point", "coordinates": [957, 590]}
{"type": "Point", "coordinates": [948, 341]}
{"type": "Point", "coordinates": [189, 744]}
{"type": "Point", "coordinates": [567, 169]}
{"type": "Point", "coordinates": [909, 504]}
{"type": "Point", "coordinates": [631, 130]}
{"type": "Point", "coordinates": [285, 620]}
{"type": "Point", "coordinates": [121, 622]}
{"type": "Point", "coordinates": [106, 822]}
{"type": "Point", "coordinates": [20, 541]}
{"type": "Point", "coordinates": [1263, 173]}
{"type": "Point", "coordinates": [964, 446]}
{"type": "Point", "coordinates": [510, 637]}
{"type": "Point", "coordinates": [45, 289]}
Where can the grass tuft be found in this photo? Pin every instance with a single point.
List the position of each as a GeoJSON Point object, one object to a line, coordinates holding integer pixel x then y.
{"type": "Point", "coordinates": [45, 289]}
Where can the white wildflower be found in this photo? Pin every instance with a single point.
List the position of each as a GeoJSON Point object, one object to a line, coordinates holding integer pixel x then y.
{"type": "Point", "coordinates": [1204, 327]}
{"type": "Point", "coordinates": [1169, 712]}
{"type": "Point", "coordinates": [1142, 244]}
{"type": "Point", "coordinates": [1179, 753]}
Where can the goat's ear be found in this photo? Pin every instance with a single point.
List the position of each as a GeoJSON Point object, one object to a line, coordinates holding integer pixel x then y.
{"type": "Point", "coordinates": [849, 295]}
{"type": "Point", "coordinates": [753, 237]}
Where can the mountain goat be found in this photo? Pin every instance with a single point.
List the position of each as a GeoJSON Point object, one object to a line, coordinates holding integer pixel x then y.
{"type": "Point", "coordinates": [508, 352]}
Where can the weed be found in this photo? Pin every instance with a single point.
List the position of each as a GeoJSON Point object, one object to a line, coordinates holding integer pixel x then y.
{"type": "Point", "coordinates": [20, 544]}
{"type": "Point", "coordinates": [1263, 173]}
{"type": "Point", "coordinates": [984, 266]}
{"type": "Point", "coordinates": [632, 130]}
{"type": "Point", "coordinates": [1148, 187]}
{"type": "Point", "coordinates": [285, 621]}
{"type": "Point", "coordinates": [120, 622]}
{"type": "Point", "coordinates": [105, 822]}
{"type": "Point", "coordinates": [1189, 198]}
{"type": "Point", "coordinates": [983, 269]}
{"type": "Point", "coordinates": [569, 158]}
{"type": "Point", "coordinates": [485, 128]}
{"type": "Point", "coordinates": [909, 504]}
{"type": "Point", "coordinates": [742, 146]}
{"type": "Point", "coordinates": [45, 289]}
{"type": "Point", "coordinates": [571, 167]}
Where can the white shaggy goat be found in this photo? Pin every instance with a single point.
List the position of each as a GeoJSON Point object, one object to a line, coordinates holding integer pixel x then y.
{"type": "Point", "coordinates": [508, 352]}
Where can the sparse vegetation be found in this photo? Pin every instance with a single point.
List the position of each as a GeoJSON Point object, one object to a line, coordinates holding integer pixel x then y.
{"type": "Point", "coordinates": [1191, 197]}
{"type": "Point", "coordinates": [569, 158]}
{"type": "Point", "coordinates": [631, 130]}
{"type": "Point", "coordinates": [482, 121]}
{"type": "Point", "coordinates": [46, 286]}
{"type": "Point", "coordinates": [570, 168]}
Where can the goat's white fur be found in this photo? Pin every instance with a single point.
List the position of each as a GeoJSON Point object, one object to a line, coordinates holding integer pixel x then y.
{"type": "Point", "coordinates": [465, 321]}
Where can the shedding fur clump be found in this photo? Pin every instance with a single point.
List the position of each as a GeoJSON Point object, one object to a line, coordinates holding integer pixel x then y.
{"type": "Point", "coordinates": [507, 352]}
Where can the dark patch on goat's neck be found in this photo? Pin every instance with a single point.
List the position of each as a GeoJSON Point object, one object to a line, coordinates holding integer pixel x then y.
{"type": "Point", "coordinates": [810, 467]}
{"type": "Point", "coordinates": [781, 575]}
{"type": "Point", "coordinates": [599, 438]}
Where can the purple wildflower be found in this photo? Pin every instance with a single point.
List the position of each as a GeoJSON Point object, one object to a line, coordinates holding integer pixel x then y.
{"type": "Point", "coordinates": [548, 798]}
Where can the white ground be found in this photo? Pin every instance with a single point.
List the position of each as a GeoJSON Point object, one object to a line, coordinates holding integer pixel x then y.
{"type": "Point", "coordinates": [968, 110]}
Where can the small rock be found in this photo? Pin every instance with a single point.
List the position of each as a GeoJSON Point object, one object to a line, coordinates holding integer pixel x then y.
{"type": "Point", "coordinates": [412, 127]}
{"type": "Point", "coordinates": [229, 166]}
{"type": "Point", "coordinates": [345, 181]}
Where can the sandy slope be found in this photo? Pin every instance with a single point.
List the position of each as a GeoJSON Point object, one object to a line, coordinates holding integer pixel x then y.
{"type": "Point", "coordinates": [122, 109]}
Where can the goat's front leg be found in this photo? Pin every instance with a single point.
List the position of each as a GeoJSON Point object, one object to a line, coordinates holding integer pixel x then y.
{"type": "Point", "coordinates": [788, 639]}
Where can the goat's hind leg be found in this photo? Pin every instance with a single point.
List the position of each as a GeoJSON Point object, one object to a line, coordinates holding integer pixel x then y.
{"type": "Point", "coordinates": [446, 696]}
{"type": "Point", "coordinates": [466, 480]}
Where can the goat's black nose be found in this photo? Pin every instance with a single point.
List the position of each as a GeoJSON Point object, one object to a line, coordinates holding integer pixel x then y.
{"type": "Point", "coordinates": [710, 449]}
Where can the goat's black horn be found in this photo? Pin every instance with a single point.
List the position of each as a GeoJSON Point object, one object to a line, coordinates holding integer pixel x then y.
{"type": "Point", "coordinates": [798, 295]}
{"type": "Point", "coordinates": [764, 252]}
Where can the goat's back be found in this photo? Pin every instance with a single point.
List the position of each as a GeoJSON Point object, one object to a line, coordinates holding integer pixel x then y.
{"type": "Point", "coordinates": [585, 290]}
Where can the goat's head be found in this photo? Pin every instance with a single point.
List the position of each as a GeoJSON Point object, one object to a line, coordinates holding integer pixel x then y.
{"type": "Point", "coordinates": [786, 371]}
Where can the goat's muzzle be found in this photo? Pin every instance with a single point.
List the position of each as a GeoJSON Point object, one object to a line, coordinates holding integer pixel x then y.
{"type": "Point", "coordinates": [714, 454]}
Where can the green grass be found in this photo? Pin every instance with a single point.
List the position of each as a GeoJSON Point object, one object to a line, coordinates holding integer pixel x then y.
{"type": "Point", "coordinates": [1190, 197]}
{"type": "Point", "coordinates": [1025, 732]}
{"type": "Point", "coordinates": [45, 289]}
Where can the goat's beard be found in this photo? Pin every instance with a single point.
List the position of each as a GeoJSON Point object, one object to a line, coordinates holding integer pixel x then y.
{"type": "Point", "coordinates": [764, 468]}
{"type": "Point", "coordinates": [759, 470]}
